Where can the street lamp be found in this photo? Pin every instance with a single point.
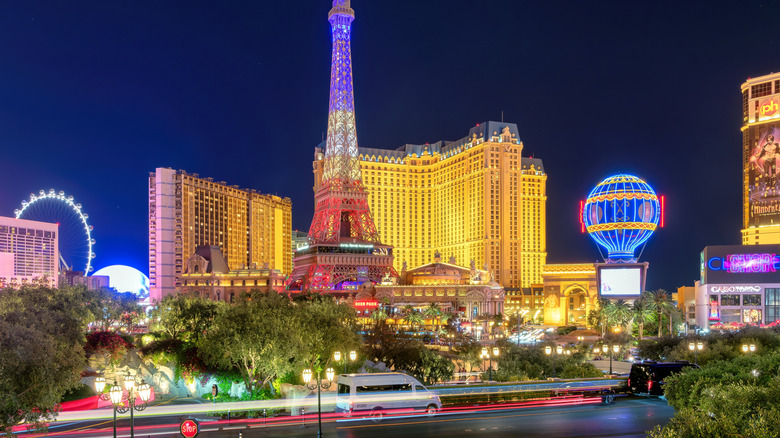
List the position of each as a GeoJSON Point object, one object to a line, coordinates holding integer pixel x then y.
{"type": "Point", "coordinates": [319, 384]}
{"type": "Point", "coordinates": [486, 354]}
{"type": "Point", "coordinates": [352, 357]}
{"type": "Point", "coordinates": [548, 350]}
{"type": "Point", "coordinates": [748, 348]}
{"type": "Point", "coordinates": [118, 397]}
{"type": "Point", "coordinates": [615, 348]}
{"type": "Point", "coordinates": [696, 347]}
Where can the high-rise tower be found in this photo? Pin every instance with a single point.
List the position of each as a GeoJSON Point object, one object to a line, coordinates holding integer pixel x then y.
{"type": "Point", "coordinates": [760, 153]}
{"type": "Point", "coordinates": [344, 248]}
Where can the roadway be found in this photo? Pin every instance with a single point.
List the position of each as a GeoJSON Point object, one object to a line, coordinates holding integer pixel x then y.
{"type": "Point", "coordinates": [627, 417]}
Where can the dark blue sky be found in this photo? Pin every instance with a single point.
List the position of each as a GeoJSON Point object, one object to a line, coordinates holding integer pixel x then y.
{"type": "Point", "coordinates": [94, 95]}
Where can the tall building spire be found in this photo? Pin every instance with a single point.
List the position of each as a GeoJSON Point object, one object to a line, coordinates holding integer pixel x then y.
{"type": "Point", "coordinates": [344, 248]}
{"type": "Point", "coordinates": [341, 150]}
{"type": "Point", "coordinates": [341, 203]}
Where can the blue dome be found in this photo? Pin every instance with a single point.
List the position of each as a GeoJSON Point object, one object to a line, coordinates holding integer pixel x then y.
{"type": "Point", "coordinates": [620, 214]}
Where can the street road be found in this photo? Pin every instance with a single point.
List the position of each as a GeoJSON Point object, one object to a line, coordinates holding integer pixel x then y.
{"type": "Point", "coordinates": [627, 417]}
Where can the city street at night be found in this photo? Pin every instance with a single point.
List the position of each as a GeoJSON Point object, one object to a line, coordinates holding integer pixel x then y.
{"type": "Point", "coordinates": [627, 417]}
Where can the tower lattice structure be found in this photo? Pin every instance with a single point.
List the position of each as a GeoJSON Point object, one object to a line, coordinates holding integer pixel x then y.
{"type": "Point", "coordinates": [344, 246]}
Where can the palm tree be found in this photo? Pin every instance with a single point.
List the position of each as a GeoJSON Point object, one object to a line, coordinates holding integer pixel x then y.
{"type": "Point", "coordinates": [600, 316]}
{"type": "Point", "coordinates": [642, 309]}
{"type": "Point", "coordinates": [433, 311]}
{"type": "Point", "coordinates": [379, 314]}
{"type": "Point", "coordinates": [414, 318]}
{"type": "Point", "coordinates": [620, 312]}
{"type": "Point", "coordinates": [659, 300]}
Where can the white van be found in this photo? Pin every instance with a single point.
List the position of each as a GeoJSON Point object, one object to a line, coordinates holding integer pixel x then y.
{"type": "Point", "coordinates": [382, 392]}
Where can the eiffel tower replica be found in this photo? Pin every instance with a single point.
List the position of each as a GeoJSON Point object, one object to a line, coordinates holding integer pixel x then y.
{"type": "Point", "coordinates": [344, 250]}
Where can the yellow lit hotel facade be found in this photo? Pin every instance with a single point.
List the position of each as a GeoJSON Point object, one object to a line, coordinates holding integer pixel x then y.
{"type": "Point", "coordinates": [761, 160]}
{"type": "Point", "coordinates": [186, 211]}
{"type": "Point", "coordinates": [475, 199]}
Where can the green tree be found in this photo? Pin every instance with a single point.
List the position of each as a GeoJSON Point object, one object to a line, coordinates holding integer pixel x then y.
{"type": "Point", "coordinates": [659, 301]}
{"type": "Point", "coordinates": [641, 310]}
{"type": "Point", "coordinates": [259, 337]}
{"type": "Point", "coordinates": [183, 317]}
{"type": "Point", "coordinates": [600, 316]}
{"type": "Point", "coordinates": [619, 313]}
{"type": "Point", "coordinates": [107, 307]}
{"type": "Point", "coordinates": [738, 397]}
{"type": "Point", "coordinates": [414, 318]}
{"type": "Point", "coordinates": [325, 327]}
{"type": "Point", "coordinates": [41, 340]}
{"type": "Point", "coordinates": [433, 311]}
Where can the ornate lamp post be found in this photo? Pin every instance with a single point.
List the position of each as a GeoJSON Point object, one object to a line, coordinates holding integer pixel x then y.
{"type": "Point", "coordinates": [118, 397]}
{"type": "Point", "coordinates": [548, 350]}
{"type": "Point", "coordinates": [696, 347]}
{"type": "Point", "coordinates": [319, 384]}
{"type": "Point", "coordinates": [615, 349]}
{"type": "Point", "coordinates": [751, 348]}
{"type": "Point", "coordinates": [486, 354]}
{"type": "Point", "coordinates": [352, 357]}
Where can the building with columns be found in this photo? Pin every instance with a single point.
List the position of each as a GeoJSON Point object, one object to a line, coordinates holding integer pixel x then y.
{"type": "Point", "coordinates": [570, 292]}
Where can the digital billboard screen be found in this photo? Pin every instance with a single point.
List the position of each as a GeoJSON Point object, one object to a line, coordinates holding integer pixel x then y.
{"type": "Point", "coordinates": [763, 176]}
{"type": "Point", "coordinates": [620, 282]}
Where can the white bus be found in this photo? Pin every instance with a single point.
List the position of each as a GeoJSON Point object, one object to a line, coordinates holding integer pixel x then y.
{"type": "Point", "coordinates": [382, 392]}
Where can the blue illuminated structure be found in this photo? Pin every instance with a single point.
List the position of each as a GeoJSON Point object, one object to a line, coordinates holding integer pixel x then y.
{"type": "Point", "coordinates": [620, 214]}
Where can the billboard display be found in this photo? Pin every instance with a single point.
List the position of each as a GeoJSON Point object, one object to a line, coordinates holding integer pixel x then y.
{"type": "Point", "coordinates": [763, 174]}
{"type": "Point", "coordinates": [621, 280]}
{"type": "Point", "coordinates": [741, 264]}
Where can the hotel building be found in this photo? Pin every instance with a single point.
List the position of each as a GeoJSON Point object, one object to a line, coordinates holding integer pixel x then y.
{"type": "Point", "coordinates": [474, 199]}
{"type": "Point", "coordinates": [761, 160]}
{"type": "Point", "coordinates": [187, 211]}
{"type": "Point", "coordinates": [29, 252]}
{"type": "Point", "coordinates": [739, 284]}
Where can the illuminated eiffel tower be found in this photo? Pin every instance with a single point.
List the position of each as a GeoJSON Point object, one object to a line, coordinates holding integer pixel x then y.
{"type": "Point", "coordinates": [344, 250]}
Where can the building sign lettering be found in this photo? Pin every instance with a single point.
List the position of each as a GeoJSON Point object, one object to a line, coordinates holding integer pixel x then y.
{"type": "Point", "coordinates": [715, 289]}
{"type": "Point", "coordinates": [745, 263]}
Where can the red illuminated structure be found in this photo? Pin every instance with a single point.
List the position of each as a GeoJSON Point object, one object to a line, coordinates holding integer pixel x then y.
{"type": "Point", "coordinates": [344, 250]}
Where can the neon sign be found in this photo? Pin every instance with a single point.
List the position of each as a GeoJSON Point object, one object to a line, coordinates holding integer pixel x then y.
{"type": "Point", "coordinates": [768, 107]}
{"type": "Point", "coordinates": [368, 304]}
{"type": "Point", "coordinates": [745, 263]}
{"type": "Point", "coordinates": [356, 245]}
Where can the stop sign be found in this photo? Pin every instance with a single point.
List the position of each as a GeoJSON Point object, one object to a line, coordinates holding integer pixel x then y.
{"type": "Point", "coordinates": [189, 428]}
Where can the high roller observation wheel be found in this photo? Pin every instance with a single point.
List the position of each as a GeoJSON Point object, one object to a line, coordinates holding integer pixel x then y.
{"type": "Point", "coordinates": [76, 207]}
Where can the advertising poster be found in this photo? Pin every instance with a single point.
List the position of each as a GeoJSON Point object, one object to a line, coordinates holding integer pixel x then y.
{"type": "Point", "coordinates": [763, 175]}
{"type": "Point", "coordinates": [714, 313]}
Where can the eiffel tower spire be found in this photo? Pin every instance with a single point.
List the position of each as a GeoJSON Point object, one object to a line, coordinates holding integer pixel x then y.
{"type": "Point", "coordinates": [344, 246]}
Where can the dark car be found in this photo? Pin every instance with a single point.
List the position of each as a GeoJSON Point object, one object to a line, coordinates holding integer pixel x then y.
{"type": "Point", "coordinates": [648, 377]}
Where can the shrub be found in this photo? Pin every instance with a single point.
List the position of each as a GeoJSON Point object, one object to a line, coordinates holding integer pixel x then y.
{"type": "Point", "coordinates": [111, 346]}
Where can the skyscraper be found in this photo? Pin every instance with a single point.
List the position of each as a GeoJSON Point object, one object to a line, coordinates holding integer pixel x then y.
{"type": "Point", "coordinates": [186, 211]}
{"type": "Point", "coordinates": [475, 198]}
{"type": "Point", "coordinates": [28, 252]}
{"type": "Point", "coordinates": [344, 249]}
{"type": "Point", "coordinates": [760, 159]}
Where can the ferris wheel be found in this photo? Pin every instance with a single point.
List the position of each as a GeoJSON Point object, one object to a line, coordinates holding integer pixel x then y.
{"type": "Point", "coordinates": [75, 234]}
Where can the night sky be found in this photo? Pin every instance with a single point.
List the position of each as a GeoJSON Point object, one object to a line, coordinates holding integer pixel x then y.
{"type": "Point", "coordinates": [94, 95]}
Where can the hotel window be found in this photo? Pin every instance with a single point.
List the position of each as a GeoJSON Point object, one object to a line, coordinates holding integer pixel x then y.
{"type": "Point", "coordinates": [760, 90]}
{"type": "Point", "coordinates": [772, 304]}
{"type": "Point", "coordinates": [729, 300]}
{"type": "Point", "coordinates": [751, 300]}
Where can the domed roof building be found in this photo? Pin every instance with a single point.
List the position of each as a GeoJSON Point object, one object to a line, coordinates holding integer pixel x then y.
{"type": "Point", "coordinates": [469, 291]}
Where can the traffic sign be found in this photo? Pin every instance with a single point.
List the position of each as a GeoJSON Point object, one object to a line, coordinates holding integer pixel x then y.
{"type": "Point", "coordinates": [189, 428]}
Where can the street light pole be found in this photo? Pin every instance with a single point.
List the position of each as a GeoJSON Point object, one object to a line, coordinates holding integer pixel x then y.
{"type": "Point", "coordinates": [117, 397]}
{"type": "Point", "coordinates": [486, 355]}
{"type": "Point", "coordinates": [548, 350]}
{"type": "Point", "coordinates": [307, 374]}
{"type": "Point", "coordinates": [696, 347]}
